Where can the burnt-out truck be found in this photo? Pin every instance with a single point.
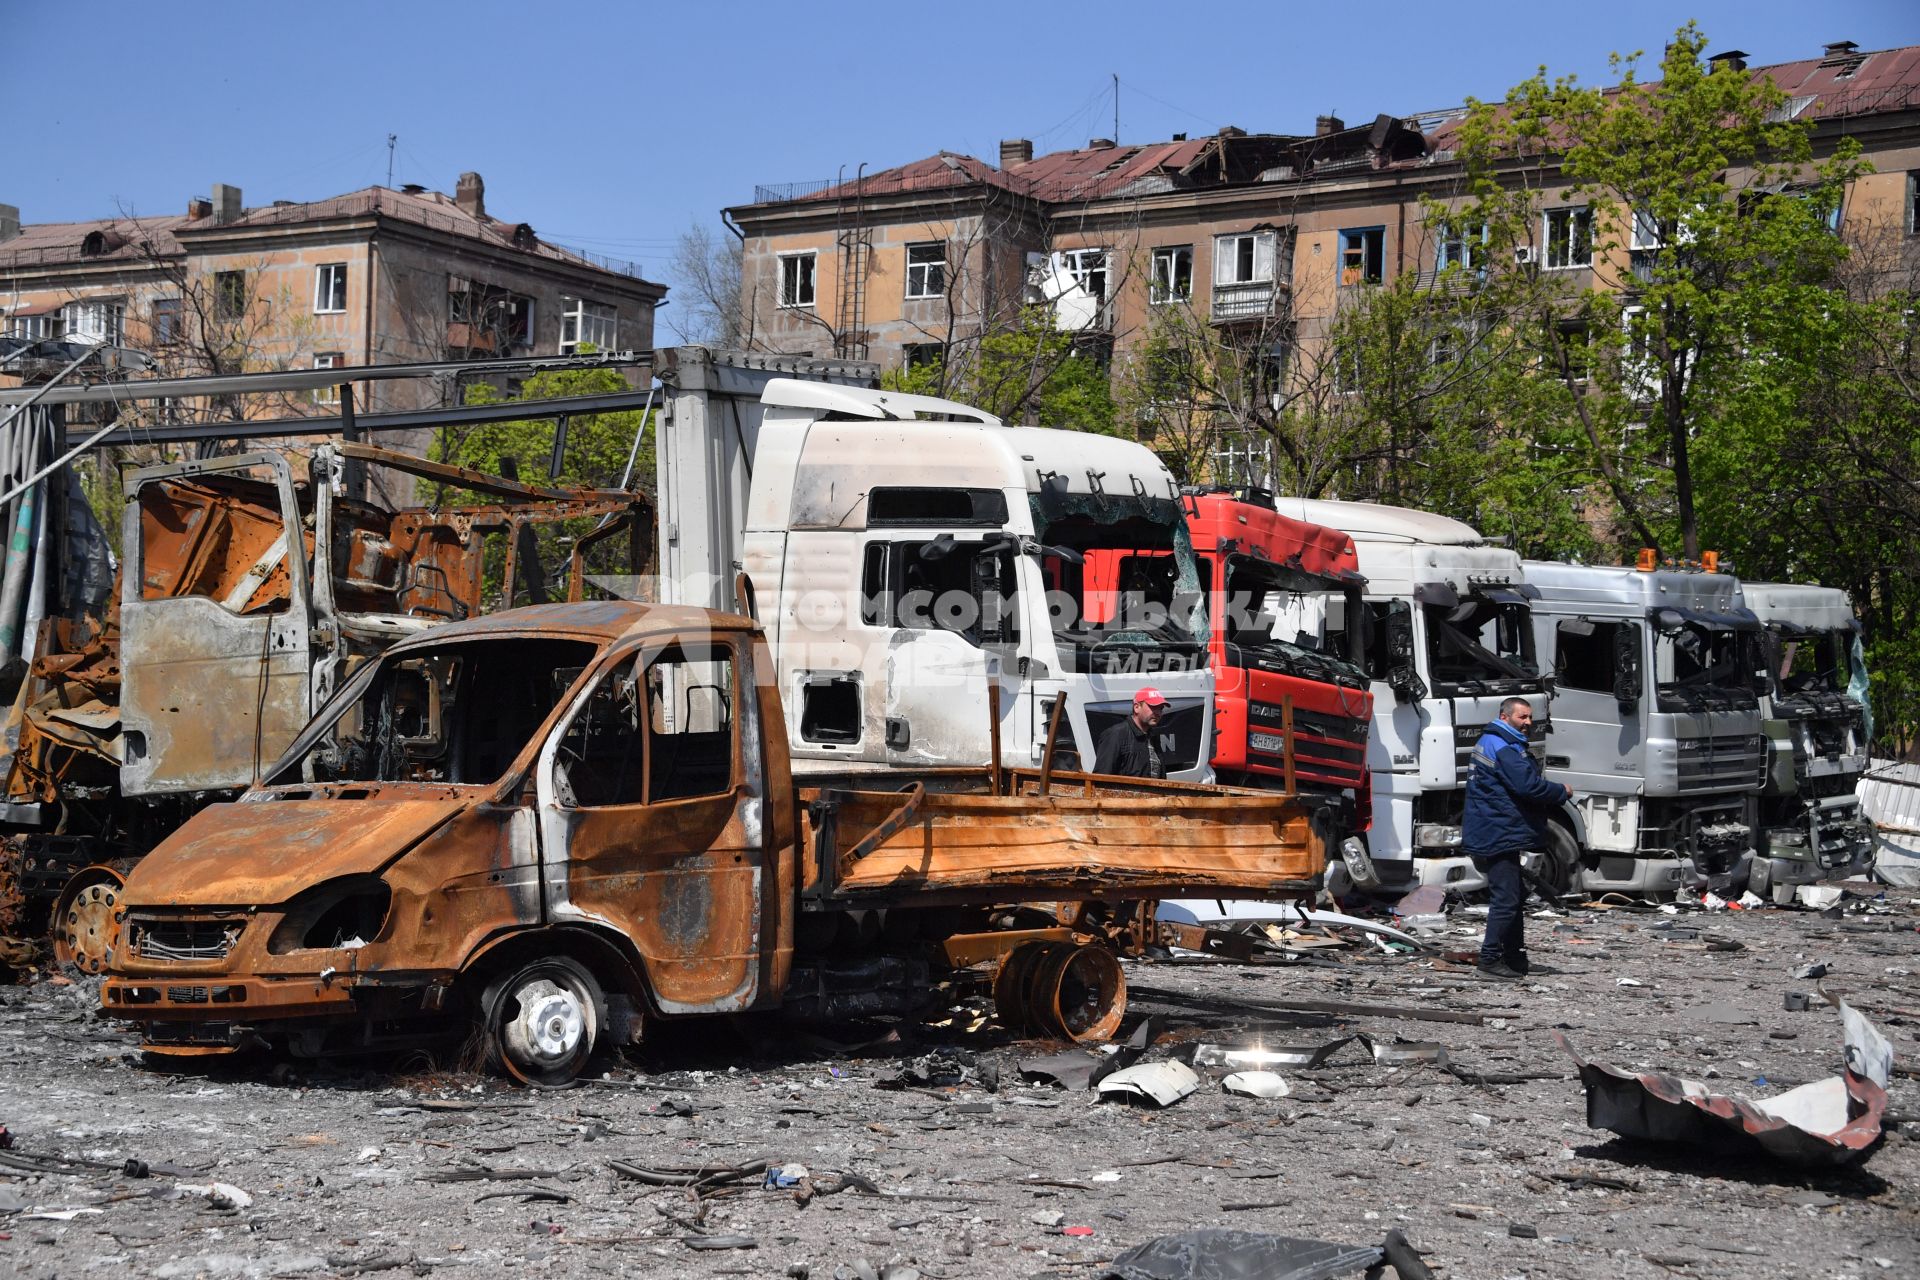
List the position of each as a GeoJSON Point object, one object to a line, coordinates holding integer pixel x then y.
{"type": "Point", "coordinates": [566, 824]}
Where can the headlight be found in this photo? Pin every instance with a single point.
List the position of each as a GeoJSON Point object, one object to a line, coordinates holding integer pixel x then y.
{"type": "Point", "coordinates": [347, 912]}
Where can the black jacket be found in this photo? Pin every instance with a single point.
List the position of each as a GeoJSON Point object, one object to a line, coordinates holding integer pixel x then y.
{"type": "Point", "coordinates": [1125, 752]}
{"type": "Point", "coordinates": [1507, 798]}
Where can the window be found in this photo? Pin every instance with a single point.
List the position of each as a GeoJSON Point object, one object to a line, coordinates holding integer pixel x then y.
{"type": "Point", "coordinates": [1243, 259]}
{"type": "Point", "coordinates": [941, 585]}
{"type": "Point", "coordinates": [926, 270]}
{"type": "Point", "coordinates": [1569, 239]}
{"type": "Point", "coordinates": [229, 295]}
{"type": "Point", "coordinates": [796, 279]}
{"type": "Point", "coordinates": [830, 707]}
{"type": "Point", "coordinates": [330, 288]}
{"type": "Point", "coordinates": [485, 319]}
{"type": "Point", "coordinates": [1088, 267]}
{"type": "Point", "coordinates": [583, 322]}
{"type": "Point", "coordinates": [1913, 204]}
{"type": "Point", "coordinates": [1461, 246]}
{"type": "Point", "coordinates": [1571, 347]}
{"type": "Point", "coordinates": [689, 723]}
{"type": "Point", "coordinates": [922, 355]}
{"type": "Point", "coordinates": [329, 394]}
{"type": "Point", "coordinates": [1172, 279]}
{"type": "Point", "coordinates": [35, 327]}
{"type": "Point", "coordinates": [1363, 255]}
{"type": "Point", "coordinates": [1587, 653]}
{"type": "Point", "coordinates": [167, 324]}
{"type": "Point", "coordinates": [94, 321]}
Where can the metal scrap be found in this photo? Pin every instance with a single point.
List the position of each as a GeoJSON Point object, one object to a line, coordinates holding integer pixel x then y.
{"type": "Point", "coordinates": [1828, 1122]}
{"type": "Point", "coordinates": [1160, 1083]}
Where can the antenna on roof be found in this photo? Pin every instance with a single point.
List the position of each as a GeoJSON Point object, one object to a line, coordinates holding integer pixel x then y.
{"type": "Point", "coordinates": [1116, 108]}
{"type": "Point", "coordinates": [391, 139]}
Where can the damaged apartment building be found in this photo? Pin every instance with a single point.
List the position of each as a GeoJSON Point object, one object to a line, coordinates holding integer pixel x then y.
{"type": "Point", "coordinates": [1261, 234]}
{"type": "Point", "coordinates": [376, 276]}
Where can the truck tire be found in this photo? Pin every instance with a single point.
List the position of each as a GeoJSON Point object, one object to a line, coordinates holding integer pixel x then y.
{"type": "Point", "coordinates": [1560, 868]}
{"type": "Point", "coordinates": [543, 1020]}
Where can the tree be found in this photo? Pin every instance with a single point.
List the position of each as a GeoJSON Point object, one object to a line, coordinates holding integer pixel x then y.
{"type": "Point", "coordinates": [706, 276]}
{"type": "Point", "coordinates": [1032, 371]}
{"type": "Point", "coordinates": [1693, 224]}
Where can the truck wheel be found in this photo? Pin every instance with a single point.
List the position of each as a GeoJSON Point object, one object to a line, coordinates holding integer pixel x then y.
{"type": "Point", "coordinates": [1561, 866]}
{"type": "Point", "coordinates": [86, 920]}
{"type": "Point", "coordinates": [543, 1020]}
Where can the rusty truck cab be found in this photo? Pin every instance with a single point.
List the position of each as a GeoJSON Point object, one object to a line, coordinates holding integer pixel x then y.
{"type": "Point", "coordinates": [558, 819]}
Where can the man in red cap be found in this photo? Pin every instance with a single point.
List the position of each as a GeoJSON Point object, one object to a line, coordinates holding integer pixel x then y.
{"type": "Point", "coordinates": [1127, 749]}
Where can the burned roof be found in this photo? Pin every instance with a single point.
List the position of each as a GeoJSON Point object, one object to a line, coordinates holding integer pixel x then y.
{"type": "Point", "coordinates": [1841, 84]}
{"type": "Point", "coordinates": [142, 238]}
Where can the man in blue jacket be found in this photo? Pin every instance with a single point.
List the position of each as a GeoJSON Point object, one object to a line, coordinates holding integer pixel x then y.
{"type": "Point", "coordinates": [1507, 806]}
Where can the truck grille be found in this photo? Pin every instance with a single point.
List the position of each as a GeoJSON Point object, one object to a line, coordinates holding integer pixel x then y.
{"type": "Point", "coordinates": [1724, 763]}
{"type": "Point", "coordinates": [1329, 750]}
{"type": "Point", "coordinates": [158, 937]}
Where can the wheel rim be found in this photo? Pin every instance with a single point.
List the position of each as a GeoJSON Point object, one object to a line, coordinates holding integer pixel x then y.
{"type": "Point", "coordinates": [546, 1025]}
{"type": "Point", "coordinates": [86, 930]}
{"type": "Point", "coordinates": [1010, 986]}
{"type": "Point", "coordinates": [1079, 993]}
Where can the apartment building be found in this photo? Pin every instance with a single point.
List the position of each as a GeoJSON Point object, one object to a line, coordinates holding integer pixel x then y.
{"type": "Point", "coordinates": [376, 276]}
{"type": "Point", "coordinates": [1263, 233]}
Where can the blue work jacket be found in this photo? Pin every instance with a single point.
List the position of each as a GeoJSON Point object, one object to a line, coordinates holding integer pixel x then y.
{"type": "Point", "coordinates": [1508, 799]}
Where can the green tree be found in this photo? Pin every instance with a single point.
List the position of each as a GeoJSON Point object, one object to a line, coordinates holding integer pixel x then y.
{"type": "Point", "coordinates": [1029, 371]}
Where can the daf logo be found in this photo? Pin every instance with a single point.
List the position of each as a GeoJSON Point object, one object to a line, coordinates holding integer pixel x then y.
{"type": "Point", "coordinates": [1403, 759]}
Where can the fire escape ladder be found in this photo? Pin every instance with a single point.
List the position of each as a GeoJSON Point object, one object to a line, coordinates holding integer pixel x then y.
{"type": "Point", "coordinates": [850, 312]}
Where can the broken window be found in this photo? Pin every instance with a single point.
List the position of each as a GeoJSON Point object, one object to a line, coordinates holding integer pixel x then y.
{"type": "Point", "coordinates": [1696, 664]}
{"type": "Point", "coordinates": [1172, 278]}
{"type": "Point", "coordinates": [940, 584]}
{"type": "Point", "coordinates": [456, 713]}
{"type": "Point", "coordinates": [1088, 267]}
{"type": "Point", "coordinates": [229, 295]}
{"type": "Point", "coordinates": [1363, 255]}
{"type": "Point", "coordinates": [1479, 645]}
{"type": "Point", "coordinates": [1365, 643]}
{"type": "Point", "coordinates": [690, 716]}
{"type": "Point", "coordinates": [911, 505]}
{"type": "Point", "coordinates": [830, 707]}
{"type": "Point", "coordinates": [219, 538]}
{"type": "Point", "coordinates": [796, 279]}
{"type": "Point", "coordinates": [330, 288]}
{"type": "Point", "coordinates": [926, 270]}
{"type": "Point", "coordinates": [1586, 653]}
{"type": "Point", "coordinates": [1569, 239]}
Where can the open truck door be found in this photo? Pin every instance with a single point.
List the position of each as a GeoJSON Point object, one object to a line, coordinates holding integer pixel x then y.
{"type": "Point", "coordinates": [215, 615]}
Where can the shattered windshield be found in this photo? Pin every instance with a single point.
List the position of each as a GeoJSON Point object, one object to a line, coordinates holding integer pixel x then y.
{"type": "Point", "coordinates": [1155, 617]}
{"type": "Point", "coordinates": [453, 713]}
{"type": "Point", "coordinates": [1811, 661]}
{"type": "Point", "coordinates": [1260, 604]}
{"type": "Point", "coordinates": [1481, 646]}
{"type": "Point", "coordinates": [1696, 666]}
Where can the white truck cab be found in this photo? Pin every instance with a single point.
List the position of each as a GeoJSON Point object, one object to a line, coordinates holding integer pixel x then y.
{"type": "Point", "coordinates": [1448, 637]}
{"type": "Point", "coordinates": [1815, 722]}
{"type": "Point", "coordinates": [1656, 722]}
{"type": "Point", "coordinates": [907, 553]}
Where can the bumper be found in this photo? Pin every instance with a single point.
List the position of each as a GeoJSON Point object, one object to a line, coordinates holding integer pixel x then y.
{"type": "Point", "coordinates": [199, 1015]}
{"type": "Point", "coordinates": [1448, 871]}
{"type": "Point", "coordinates": [1634, 876]}
{"type": "Point", "coordinates": [1729, 882]}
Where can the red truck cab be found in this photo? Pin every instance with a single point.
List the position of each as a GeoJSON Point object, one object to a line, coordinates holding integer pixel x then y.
{"type": "Point", "coordinates": [1260, 571]}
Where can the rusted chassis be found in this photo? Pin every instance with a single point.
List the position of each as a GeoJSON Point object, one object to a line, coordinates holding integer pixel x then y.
{"type": "Point", "coordinates": [426, 892]}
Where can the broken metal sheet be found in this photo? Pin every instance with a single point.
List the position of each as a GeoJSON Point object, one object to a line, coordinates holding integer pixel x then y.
{"type": "Point", "coordinates": [1828, 1122]}
{"type": "Point", "coordinates": [1386, 1053]}
{"type": "Point", "coordinates": [1256, 1084]}
{"type": "Point", "coordinates": [1220, 1254]}
{"type": "Point", "coordinates": [1161, 1083]}
{"type": "Point", "coordinates": [1074, 1069]}
{"type": "Point", "coordinates": [1216, 910]}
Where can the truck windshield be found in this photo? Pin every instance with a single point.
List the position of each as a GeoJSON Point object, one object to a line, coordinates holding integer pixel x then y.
{"type": "Point", "coordinates": [1810, 661]}
{"type": "Point", "coordinates": [1255, 606]}
{"type": "Point", "coordinates": [1481, 646]}
{"type": "Point", "coordinates": [1699, 666]}
{"type": "Point", "coordinates": [453, 713]}
{"type": "Point", "coordinates": [1155, 619]}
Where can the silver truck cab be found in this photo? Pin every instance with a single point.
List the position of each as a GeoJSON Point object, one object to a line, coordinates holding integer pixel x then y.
{"type": "Point", "coordinates": [1449, 636]}
{"type": "Point", "coordinates": [1656, 722]}
{"type": "Point", "coordinates": [1816, 728]}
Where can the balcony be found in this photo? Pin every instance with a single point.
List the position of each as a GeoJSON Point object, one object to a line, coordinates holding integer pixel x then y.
{"type": "Point", "coordinates": [1254, 301]}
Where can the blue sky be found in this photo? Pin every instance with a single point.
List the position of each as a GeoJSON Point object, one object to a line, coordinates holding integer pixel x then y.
{"type": "Point", "coordinates": [613, 127]}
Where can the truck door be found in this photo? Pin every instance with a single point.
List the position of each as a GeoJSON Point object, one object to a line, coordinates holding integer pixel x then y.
{"type": "Point", "coordinates": [1596, 720]}
{"type": "Point", "coordinates": [653, 801]}
{"type": "Point", "coordinates": [215, 613]}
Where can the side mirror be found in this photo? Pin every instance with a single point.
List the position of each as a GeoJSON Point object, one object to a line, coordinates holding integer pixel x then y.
{"type": "Point", "coordinates": [1406, 683]}
{"type": "Point", "coordinates": [1400, 638]}
{"type": "Point", "coordinates": [1626, 667]}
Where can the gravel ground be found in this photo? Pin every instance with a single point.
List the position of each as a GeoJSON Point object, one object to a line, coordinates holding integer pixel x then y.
{"type": "Point", "coordinates": [339, 1163]}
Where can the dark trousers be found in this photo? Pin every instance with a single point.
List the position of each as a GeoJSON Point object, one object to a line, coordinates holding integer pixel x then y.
{"type": "Point", "coordinates": [1506, 895]}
